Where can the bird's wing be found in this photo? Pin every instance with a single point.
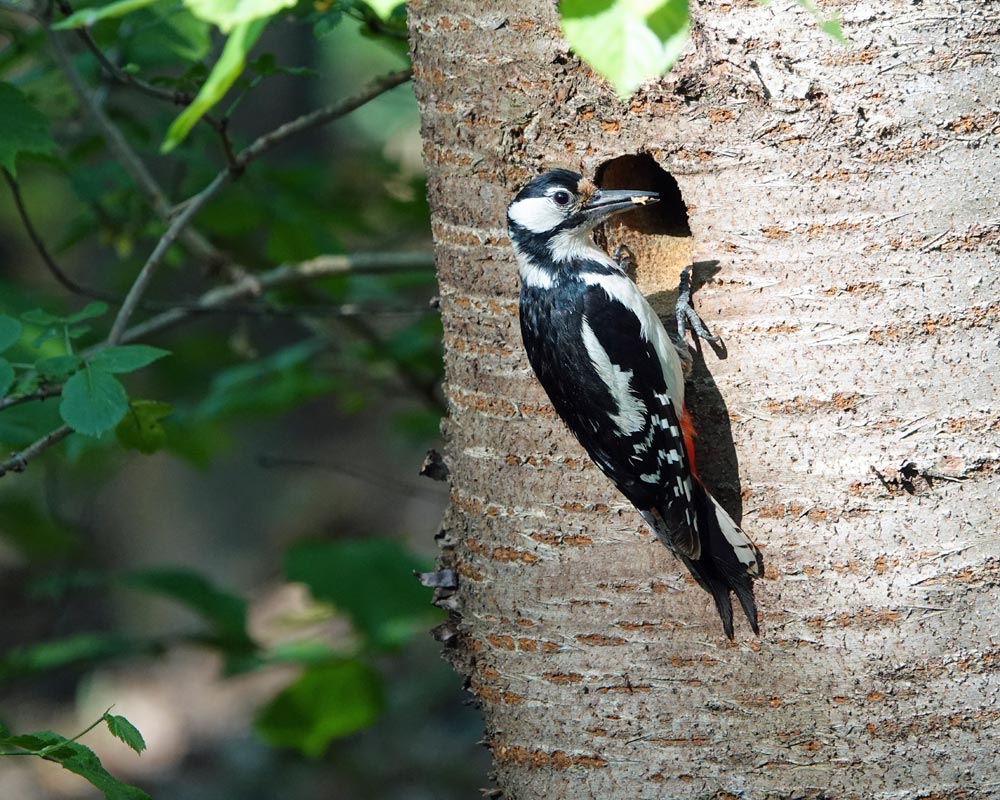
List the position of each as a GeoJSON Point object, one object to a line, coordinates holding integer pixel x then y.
{"type": "Point", "coordinates": [636, 437]}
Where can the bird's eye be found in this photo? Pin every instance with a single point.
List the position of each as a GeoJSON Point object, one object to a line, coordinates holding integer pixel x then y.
{"type": "Point", "coordinates": [562, 198]}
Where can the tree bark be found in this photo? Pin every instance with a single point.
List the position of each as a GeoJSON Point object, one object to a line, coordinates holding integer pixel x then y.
{"type": "Point", "coordinates": [850, 200]}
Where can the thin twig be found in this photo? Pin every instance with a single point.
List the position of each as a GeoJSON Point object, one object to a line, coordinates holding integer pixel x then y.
{"type": "Point", "coordinates": [39, 394]}
{"type": "Point", "coordinates": [323, 116]}
{"type": "Point", "coordinates": [18, 462]}
{"type": "Point", "coordinates": [285, 275]}
{"type": "Point", "coordinates": [191, 208]}
{"type": "Point", "coordinates": [127, 156]}
{"type": "Point", "coordinates": [57, 272]}
{"type": "Point", "coordinates": [175, 96]}
{"type": "Point", "coordinates": [121, 149]}
{"type": "Point", "coordinates": [260, 146]}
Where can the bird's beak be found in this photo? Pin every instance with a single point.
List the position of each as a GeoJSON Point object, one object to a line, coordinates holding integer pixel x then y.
{"type": "Point", "coordinates": [606, 203]}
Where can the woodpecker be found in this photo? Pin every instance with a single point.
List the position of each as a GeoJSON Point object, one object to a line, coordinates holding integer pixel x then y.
{"type": "Point", "coordinates": [616, 378]}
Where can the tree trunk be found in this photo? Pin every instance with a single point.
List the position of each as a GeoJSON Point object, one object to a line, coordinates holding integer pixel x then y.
{"type": "Point", "coordinates": [849, 198]}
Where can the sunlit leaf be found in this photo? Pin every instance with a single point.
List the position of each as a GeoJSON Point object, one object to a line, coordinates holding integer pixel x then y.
{"type": "Point", "coordinates": [90, 16]}
{"type": "Point", "coordinates": [23, 129]}
{"type": "Point", "coordinates": [142, 427]}
{"type": "Point", "coordinates": [93, 401]}
{"type": "Point", "coordinates": [224, 74]}
{"type": "Point", "coordinates": [327, 702]}
{"type": "Point", "coordinates": [384, 8]}
{"type": "Point", "coordinates": [179, 33]}
{"type": "Point", "coordinates": [626, 41]}
{"type": "Point", "coordinates": [369, 579]}
{"type": "Point", "coordinates": [227, 15]}
{"type": "Point", "coordinates": [124, 730]}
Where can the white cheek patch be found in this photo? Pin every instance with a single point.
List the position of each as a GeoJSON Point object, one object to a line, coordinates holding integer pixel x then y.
{"type": "Point", "coordinates": [537, 214]}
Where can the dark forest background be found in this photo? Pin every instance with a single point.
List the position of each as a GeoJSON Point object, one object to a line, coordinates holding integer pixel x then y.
{"type": "Point", "coordinates": [221, 549]}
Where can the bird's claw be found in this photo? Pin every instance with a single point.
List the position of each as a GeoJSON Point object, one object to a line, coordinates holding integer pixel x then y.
{"type": "Point", "coordinates": [624, 258]}
{"type": "Point", "coordinates": [687, 317]}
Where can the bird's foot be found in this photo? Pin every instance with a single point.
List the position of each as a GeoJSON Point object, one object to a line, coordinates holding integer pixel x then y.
{"type": "Point", "coordinates": [687, 317]}
{"type": "Point", "coordinates": [624, 258]}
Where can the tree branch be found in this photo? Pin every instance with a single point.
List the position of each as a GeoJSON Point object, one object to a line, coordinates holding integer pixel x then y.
{"type": "Point", "coordinates": [191, 208]}
{"type": "Point", "coordinates": [323, 116]}
{"type": "Point", "coordinates": [126, 155]}
{"type": "Point", "coordinates": [19, 461]}
{"type": "Point", "coordinates": [175, 96]}
{"type": "Point", "coordinates": [260, 146]}
{"type": "Point", "coordinates": [39, 394]}
{"type": "Point", "coordinates": [285, 275]}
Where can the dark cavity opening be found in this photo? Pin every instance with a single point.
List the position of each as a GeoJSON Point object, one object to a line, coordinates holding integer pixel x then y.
{"type": "Point", "coordinates": [669, 217]}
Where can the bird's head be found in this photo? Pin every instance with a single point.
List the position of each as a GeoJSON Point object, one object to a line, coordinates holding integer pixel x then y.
{"type": "Point", "coordinates": [560, 208]}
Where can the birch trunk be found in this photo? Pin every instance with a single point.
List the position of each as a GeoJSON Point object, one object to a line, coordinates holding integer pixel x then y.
{"type": "Point", "coordinates": [849, 198]}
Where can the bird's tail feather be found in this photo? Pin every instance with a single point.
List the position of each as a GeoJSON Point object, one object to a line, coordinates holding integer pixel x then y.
{"type": "Point", "coordinates": [728, 560]}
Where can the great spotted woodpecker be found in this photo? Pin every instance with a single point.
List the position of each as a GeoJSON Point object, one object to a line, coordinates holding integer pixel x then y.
{"type": "Point", "coordinates": [617, 379]}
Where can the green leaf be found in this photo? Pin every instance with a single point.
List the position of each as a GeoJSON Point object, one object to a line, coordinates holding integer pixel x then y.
{"type": "Point", "coordinates": [127, 357]}
{"type": "Point", "coordinates": [10, 332]}
{"type": "Point", "coordinates": [227, 69]}
{"type": "Point", "coordinates": [93, 402]}
{"type": "Point", "coordinates": [40, 318]}
{"type": "Point", "coordinates": [124, 730]}
{"type": "Point", "coordinates": [268, 385]}
{"type": "Point", "coordinates": [142, 428]}
{"type": "Point", "coordinates": [230, 14]}
{"type": "Point", "coordinates": [47, 656]}
{"type": "Point", "coordinates": [86, 17]}
{"type": "Point", "coordinates": [327, 702]}
{"type": "Point", "coordinates": [831, 27]}
{"type": "Point", "coordinates": [626, 41]}
{"type": "Point", "coordinates": [58, 368]}
{"type": "Point", "coordinates": [178, 32]}
{"type": "Point", "coordinates": [77, 758]}
{"type": "Point", "coordinates": [369, 579]}
{"type": "Point", "coordinates": [383, 8]}
{"type": "Point", "coordinates": [89, 311]}
{"type": "Point", "coordinates": [226, 612]}
{"type": "Point", "coordinates": [266, 65]}
{"type": "Point", "coordinates": [23, 129]}
{"type": "Point", "coordinates": [7, 377]}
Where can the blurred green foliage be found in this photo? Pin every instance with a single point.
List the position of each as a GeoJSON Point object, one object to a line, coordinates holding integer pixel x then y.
{"type": "Point", "coordinates": [114, 117]}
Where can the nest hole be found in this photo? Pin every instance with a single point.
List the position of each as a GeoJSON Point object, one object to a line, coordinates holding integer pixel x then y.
{"type": "Point", "coordinates": [659, 236]}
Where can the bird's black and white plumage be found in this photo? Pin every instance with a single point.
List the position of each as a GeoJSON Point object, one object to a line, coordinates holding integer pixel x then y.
{"type": "Point", "coordinates": [616, 378]}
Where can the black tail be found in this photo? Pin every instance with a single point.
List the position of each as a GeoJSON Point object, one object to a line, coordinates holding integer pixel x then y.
{"type": "Point", "coordinates": [727, 561]}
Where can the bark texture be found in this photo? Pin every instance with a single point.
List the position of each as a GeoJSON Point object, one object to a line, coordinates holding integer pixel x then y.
{"type": "Point", "coordinates": [850, 199]}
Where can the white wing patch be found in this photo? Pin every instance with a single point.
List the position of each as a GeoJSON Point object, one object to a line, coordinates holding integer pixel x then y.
{"type": "Point", "coordinates": [620, 288]}
{"type": "Point", "coordinates": [631, 416]}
